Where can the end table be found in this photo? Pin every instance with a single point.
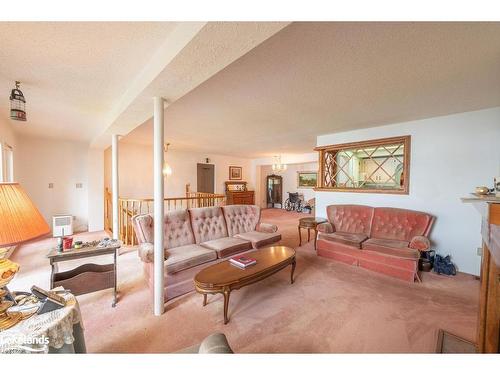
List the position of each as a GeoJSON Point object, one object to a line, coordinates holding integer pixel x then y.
{"type": "Point", "coordinates": [87, 277]}
{"type": "Point", "coordinates": [310, 223]}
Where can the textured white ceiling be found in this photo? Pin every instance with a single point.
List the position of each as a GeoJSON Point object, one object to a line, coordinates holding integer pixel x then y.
{"type": "Point", "coordinates": [72, 73]}
{"type": "Point", "coordinates": [316, 78]}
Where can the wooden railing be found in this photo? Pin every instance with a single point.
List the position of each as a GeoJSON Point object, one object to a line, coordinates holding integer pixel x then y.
{"type": "Point", "coordinates": [129, 207]}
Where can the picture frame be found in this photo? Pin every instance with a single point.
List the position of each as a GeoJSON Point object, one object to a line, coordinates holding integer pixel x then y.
{"type": "Point", "coordinates": [307, 179]}
{"type": "Point", "coordinates": [235, 173]}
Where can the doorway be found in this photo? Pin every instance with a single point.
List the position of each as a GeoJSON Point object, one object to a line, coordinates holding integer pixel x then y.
{"type": "Point", "coordinates": [205, 178]}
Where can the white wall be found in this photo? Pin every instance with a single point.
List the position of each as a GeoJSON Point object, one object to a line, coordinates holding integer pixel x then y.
{"type": "Point", "coordinates": [95, 163]}
{"type": "Point", "coordinates": [136, 170]}
{"type": "Point", "coordinates": [7, 134]}
{"type": "Point", "coordinates": [450, 156]}
{"type": "Point", "coordinates": [38, 162]}
{"type": "Point", "coordinates": [289, 181]}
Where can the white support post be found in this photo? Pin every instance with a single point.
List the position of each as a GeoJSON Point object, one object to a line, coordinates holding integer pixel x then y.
{"type": "Point", "coordinates": [114, 188]}
{"type": "Point", "coordinates": [158, 140]}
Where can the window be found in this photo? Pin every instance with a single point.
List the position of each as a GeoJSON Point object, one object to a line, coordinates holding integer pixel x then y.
{"type": "Point", "coordinates": [376, 166]}
{"type": "Point", "coordinates": [6, 163]}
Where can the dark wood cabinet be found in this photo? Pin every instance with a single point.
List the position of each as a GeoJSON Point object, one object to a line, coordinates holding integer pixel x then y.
{"type": "Point", "coordinates": [274, 188]}
{"type": "Point", "coordinates": [237, 193]}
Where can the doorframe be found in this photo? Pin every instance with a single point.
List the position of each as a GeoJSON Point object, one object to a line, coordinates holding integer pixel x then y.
{"type": "Point", "coordinates": [215, 175]}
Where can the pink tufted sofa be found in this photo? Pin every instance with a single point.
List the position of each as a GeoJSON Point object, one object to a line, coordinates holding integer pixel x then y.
{"type": "Point", "coordinates": [198, 237]}
{"type": "Point", "coordinates": [381, 239]}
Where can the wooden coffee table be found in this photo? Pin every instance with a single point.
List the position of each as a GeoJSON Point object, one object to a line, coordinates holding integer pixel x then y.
{"type": "Point", "coordinates": [224, 277]}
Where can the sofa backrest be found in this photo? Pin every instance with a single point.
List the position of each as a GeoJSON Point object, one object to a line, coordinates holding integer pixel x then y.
{"type": "Point", "coordinates": [350, 218]}
{"type": "Point", "coordinates": [400, 224]}
{"type": "Point", "coordinates": [208, 223]}
{"type": "Point", "coordinates": [241, 218]}
{"type": "Point", "coordinates": [177, 229]}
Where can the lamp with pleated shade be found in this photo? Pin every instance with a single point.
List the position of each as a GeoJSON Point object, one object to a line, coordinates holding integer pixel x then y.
{"type": "Point", "coordinates": [20, 221]}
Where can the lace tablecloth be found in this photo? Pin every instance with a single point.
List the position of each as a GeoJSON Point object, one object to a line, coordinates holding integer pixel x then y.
{"type": "Point", "coordinates": [39, 333]}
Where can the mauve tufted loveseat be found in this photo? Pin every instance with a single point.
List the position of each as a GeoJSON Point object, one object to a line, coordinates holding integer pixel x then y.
{"type": "Point", "coordinates": [381, 239]}
{"type": "Point", "coordinates": [198, 237]}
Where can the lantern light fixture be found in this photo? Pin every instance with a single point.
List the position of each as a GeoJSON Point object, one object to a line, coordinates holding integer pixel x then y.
{"type": "Point", "coordinates": [17, 104]}
{"type": "Point", "coordinates": [278, 166]}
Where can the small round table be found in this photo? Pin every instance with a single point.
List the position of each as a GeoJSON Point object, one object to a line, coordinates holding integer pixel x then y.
{"type": "Point", "coordinates": [310, 223]}
{"type": "Point", "coordinates": [57, 331]}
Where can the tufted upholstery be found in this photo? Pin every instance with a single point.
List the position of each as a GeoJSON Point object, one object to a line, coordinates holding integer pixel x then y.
{"type": "Point", "coordinates": [177, 229]}
{"type": "Point", "coordinates": [350, 218]}
{"type": "Point", "coordinates": [241, 218]}
{"type": "Point", "coordinates": [198, 237]}
{"type": "Point", "coordinates": [208, 223]}
{"type": "Point", "coordinates": [143, 228]}
{"type": "Point", "coordinates": [399, 224]}
{"type": "Point", "coordinates": [381, 239]}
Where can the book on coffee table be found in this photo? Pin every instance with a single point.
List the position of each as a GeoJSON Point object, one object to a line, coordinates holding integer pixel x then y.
{"type": "Point", "coordinates": [242, 261]}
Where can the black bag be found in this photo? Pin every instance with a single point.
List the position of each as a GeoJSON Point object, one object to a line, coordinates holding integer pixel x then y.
{"type": "Point", "coordinates": [443, 265]}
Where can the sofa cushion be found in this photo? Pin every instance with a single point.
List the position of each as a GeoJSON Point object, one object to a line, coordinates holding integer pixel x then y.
{"type": "Point", "coordinates": [351, 239]}
{"type": "Point", "coordinates": [395, 248]}
{"type": "Point", "coordinates": [208, 223]}
{"type": "Point", "coordinates": [184, 257]}
{"type": "Point", "coordinates": [227, 246]}
{"type": "Point", "coordinates": [259, 239]}
{"type": "Point", "coordinates": [350, 218]}
{"type": "Point", "coordinates": [177, 229]}
{"type": "Point", "coordinates": [399, 224]}
{"type": "Point", "coordinates": [241, 218]}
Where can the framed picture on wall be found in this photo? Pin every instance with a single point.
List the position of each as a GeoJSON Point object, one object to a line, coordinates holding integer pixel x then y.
{"type": "Point", "coordinates": [307, 179]}
{"type": "Point", "coordinates": [235, 173]}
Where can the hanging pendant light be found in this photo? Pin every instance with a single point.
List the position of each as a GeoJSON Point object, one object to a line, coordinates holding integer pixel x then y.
{"type": "Point", "coordinates": [278, 166]}
{"type": "Point", "coordinates": [167, 169]}
{"type": "Point", "coordinates": [17, 104]}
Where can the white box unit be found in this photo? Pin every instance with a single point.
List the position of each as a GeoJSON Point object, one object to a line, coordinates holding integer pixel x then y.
{"type": "Point", "coordinates": [62, 225]}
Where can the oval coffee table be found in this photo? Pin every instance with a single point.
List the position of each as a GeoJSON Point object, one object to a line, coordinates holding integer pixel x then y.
{"type": "Point", "coordinates": [223, 277]}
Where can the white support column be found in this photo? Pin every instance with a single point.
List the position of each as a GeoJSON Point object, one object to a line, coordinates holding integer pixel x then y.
{"type": "Point", "coordinates": [114, 184]}
{"type": "Point", "coordinates": [158, 140]}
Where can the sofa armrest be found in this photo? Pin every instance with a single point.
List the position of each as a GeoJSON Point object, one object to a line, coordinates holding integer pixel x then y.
{"type": "Point", "coordinates": [146, 252]}
{"type": "Point", "coordinates": [325, 228]}
{"type": "Point", "coordinates": [420, 243]}
{"type": "Point", "coordinates": [267, 228]}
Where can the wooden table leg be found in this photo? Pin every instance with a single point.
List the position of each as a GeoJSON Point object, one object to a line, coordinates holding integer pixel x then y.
{"type": "Point", "coordinates": [300, 237]}
{"type": "Point", "coordinates": [114, 280]}
{"type": "Point", "coordinates": [293, 270]}
{"type": "Point", "coordinates": [315, 237]}
{"type": "Point", "coordinates": [204, 300]}
{"type": "Point", "coordinates": [226, 292]}
{"type": "Point", "coordinates": [308, 234]}
{"type": "Point", "coordinates": [52, 273]}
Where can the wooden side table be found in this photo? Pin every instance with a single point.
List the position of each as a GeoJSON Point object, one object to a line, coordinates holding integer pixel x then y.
{"type": "Point", "coordinates": [310, 223]}
{"type": "Point", "coordinates": [88, 277]}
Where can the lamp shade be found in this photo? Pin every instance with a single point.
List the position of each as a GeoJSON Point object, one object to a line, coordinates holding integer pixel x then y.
{"type": "Point", "coordinates": [20, 220]}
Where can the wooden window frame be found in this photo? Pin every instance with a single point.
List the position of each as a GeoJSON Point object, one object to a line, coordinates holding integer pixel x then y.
{"type": "Point", "coordinates": [323, 150]}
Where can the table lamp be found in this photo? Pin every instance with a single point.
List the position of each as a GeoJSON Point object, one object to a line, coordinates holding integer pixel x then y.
{"type": "Point", "coordinates": [20, 221]}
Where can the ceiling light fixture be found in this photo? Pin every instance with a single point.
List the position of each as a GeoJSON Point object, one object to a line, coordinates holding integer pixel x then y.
{"type": "Point", "coordinates": [278, 166]}
{"type": "Point", "coordinates": [167, 169]}
{"type": "Point", "coordinates": [17, 104]}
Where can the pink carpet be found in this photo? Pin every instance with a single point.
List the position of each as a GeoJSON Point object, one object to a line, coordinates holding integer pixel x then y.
{"type": "Point", "coordinates": [331, 308]}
